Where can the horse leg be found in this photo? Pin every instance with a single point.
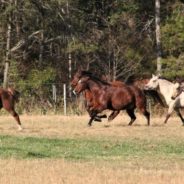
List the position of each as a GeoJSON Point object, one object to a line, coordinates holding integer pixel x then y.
{"type": "Point", "coordinates": [16, 116]}
{"type": "Point", "coordinates": [146, 114]}
{"type": "Point", "coordinates": [132, 116]}
{"type": "Point", "coordinates": [170, 110]}
{"type": "Point", "coordinates": [179, 114]}
{"type": "Point", "coordinates": [113, 115]}
{"type": "Point", "coordinates": [167, 117]}
{"type": "Point", "coordinates": [90, 112]}
{"type": "Point", "coordinates": [102, 116]}
{"type": "Point", "coordinates": [93, 115]}
{"type": "Point", "coordinates": [98, 117]}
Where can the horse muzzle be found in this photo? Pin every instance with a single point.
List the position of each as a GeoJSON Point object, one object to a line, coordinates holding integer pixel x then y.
{"type": "Point", "coordinates": [74, 92]}
{"type": "Point", "coordinates": [146, 88]}
{"type": "Point", "coordinates": [173, 97]}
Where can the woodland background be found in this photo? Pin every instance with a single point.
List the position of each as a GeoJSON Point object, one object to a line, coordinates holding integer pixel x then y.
{"type": "Point", "coordinates": [43, 43]}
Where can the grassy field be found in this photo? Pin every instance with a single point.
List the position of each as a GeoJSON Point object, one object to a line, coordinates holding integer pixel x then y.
{"type": "Point", "coordinates": [58, 149]}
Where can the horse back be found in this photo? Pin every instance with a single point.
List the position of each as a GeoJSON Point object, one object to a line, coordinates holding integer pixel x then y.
{"type": "Point", "coordinates": [122, 97]}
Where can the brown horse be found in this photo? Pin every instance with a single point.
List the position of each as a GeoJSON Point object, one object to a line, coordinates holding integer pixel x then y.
{"type": "Point", "coordinates": [88, 96]}
{"type": "Point", "coordinates": [8, 98]}
{"type": "Point", "coordinates": [140, 98]}
{"type": "Point", "coordinates": [116, 96]}
{"type": "Point", "coordinates": [90, 101]}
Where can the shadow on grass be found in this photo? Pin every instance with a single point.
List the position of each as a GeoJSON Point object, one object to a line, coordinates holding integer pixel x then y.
{"type": "Point", "coordinates": [36, 155]}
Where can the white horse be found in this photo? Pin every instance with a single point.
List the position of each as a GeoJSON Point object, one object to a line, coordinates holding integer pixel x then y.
{"type": "Point", "coordinates": [167, 88]}
{"type": "Point", "coordinates": [177, 90]}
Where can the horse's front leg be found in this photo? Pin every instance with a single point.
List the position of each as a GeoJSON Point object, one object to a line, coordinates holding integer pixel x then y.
{"type": "Point", "coordinates": [16, 116]}
{"type": "Point", "coordinates": [94, 111]}
{"type": "Point", "coordinates": [92, 115]}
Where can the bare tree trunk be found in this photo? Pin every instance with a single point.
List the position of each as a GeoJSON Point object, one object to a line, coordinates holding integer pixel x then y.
{"type": "Point", "coordinates": [69, 56]}
{"type": "Point", "coordinates": [17, 19]}
{"type": "Point", "coordinates": [7, 62]}
{"type": "Point", "coordinates": [114, 69]}
{"type": "Point", "coordinates": [41, 46]}
{"type": "Point", "coordinates": [158, 35]}
{"type": "Point", "coordinates": [70, 73]}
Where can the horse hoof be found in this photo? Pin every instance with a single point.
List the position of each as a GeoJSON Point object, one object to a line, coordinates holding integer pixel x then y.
{"type": "Point", "coordinates": [20, 128]}
{"type": "Point", "coordinates": [104, 116]}
{"type": "Point", "coordinates": [89, 125]}
{"type": "Point", "coordinates": [99, 120]}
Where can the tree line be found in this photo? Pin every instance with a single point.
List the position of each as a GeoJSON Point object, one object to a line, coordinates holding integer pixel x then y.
{"type": "Point", "coordinates": [43, 42]}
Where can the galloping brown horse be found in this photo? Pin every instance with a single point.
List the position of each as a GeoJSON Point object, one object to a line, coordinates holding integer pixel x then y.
{"type": "Point", "coordinates": [88, 96]}
{"type": "Point", "coordinates": [90, 101]}
{"type": "Point", "coordinates": [8, 98]}
{"type": "Point", "coordinates": [116, 96]}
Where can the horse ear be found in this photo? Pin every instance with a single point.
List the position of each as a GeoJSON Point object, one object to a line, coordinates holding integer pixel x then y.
{"type": "Point", "coordinates": [153, 75]}
{"type": "Point", "coordinates": [176, 84]}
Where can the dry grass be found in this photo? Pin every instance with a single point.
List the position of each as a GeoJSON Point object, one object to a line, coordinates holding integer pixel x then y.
{"type": "Point", "coordinates": [60, 171]}
{"type": "Point", "coordinates": [64, 172]}
{"type": "Point", "coordinates": [76, 126]}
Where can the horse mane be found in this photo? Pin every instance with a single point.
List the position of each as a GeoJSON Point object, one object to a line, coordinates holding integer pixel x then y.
{"type": "Point", "coordinates": [93, 77]}
{"type": "Point", "coordinates": [165, 78]}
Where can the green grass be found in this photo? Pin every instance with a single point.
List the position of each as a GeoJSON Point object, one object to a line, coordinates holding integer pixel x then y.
{"type": "Point", "coordinates": [86, 149]}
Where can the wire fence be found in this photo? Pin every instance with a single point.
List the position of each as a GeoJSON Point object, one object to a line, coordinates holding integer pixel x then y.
{"type": "Point", "coordinates": [51, 98]}
{"type": "Point", "coordinates": [57, 98]}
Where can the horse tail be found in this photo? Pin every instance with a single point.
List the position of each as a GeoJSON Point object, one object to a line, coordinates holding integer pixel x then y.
{"type": "Point", "coordinates": [139, 97]}
{"type": "Point", "coordinates": [155, 96]}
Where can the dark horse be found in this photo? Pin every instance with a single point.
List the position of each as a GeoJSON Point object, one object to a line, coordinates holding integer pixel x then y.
{"type": "Point", "coordinates": [8, 98]}
{"type": "Point", "coordinates": [88, 96]}
{"type": "Point", "coordinates": [115, 97]}
{"type": "Point", "coordinates": [90, 101]}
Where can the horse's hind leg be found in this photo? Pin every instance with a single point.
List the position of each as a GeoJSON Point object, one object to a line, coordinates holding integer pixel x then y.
{"type": "Point", "coordinates": [179, 114]}
{"type": "Point", "coordinates": [146, 114]}
{"type": "Point", "coordinates": [113, 115]}
{"type": "Point", "coordinates": [132, 116]}
{"type": "Point", "coordinates": [170, 110]}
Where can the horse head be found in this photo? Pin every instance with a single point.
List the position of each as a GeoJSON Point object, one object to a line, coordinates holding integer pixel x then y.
{"type": "Point", "coordinates": [81, 85]}
{"type": "Point", "coordinates": [76, 78]}
{"type": "Point", "coordinates": [78, 75]}
{"type": "Point", "coordinates": [177, 90]}
{"type": "Point", "coordinates": [152, 83]}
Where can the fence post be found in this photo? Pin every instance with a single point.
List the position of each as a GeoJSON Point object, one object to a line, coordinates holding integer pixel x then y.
{"type": "Point", "coordinates": [54, 95]}
{"type": "Point", "coordinates": [64, 98]}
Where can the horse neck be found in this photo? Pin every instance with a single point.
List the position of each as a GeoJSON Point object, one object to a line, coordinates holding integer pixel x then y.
{"type": "Point", "coordinates": [165, 89]}
{"type": "Point", "coordinates": [94, 86]}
